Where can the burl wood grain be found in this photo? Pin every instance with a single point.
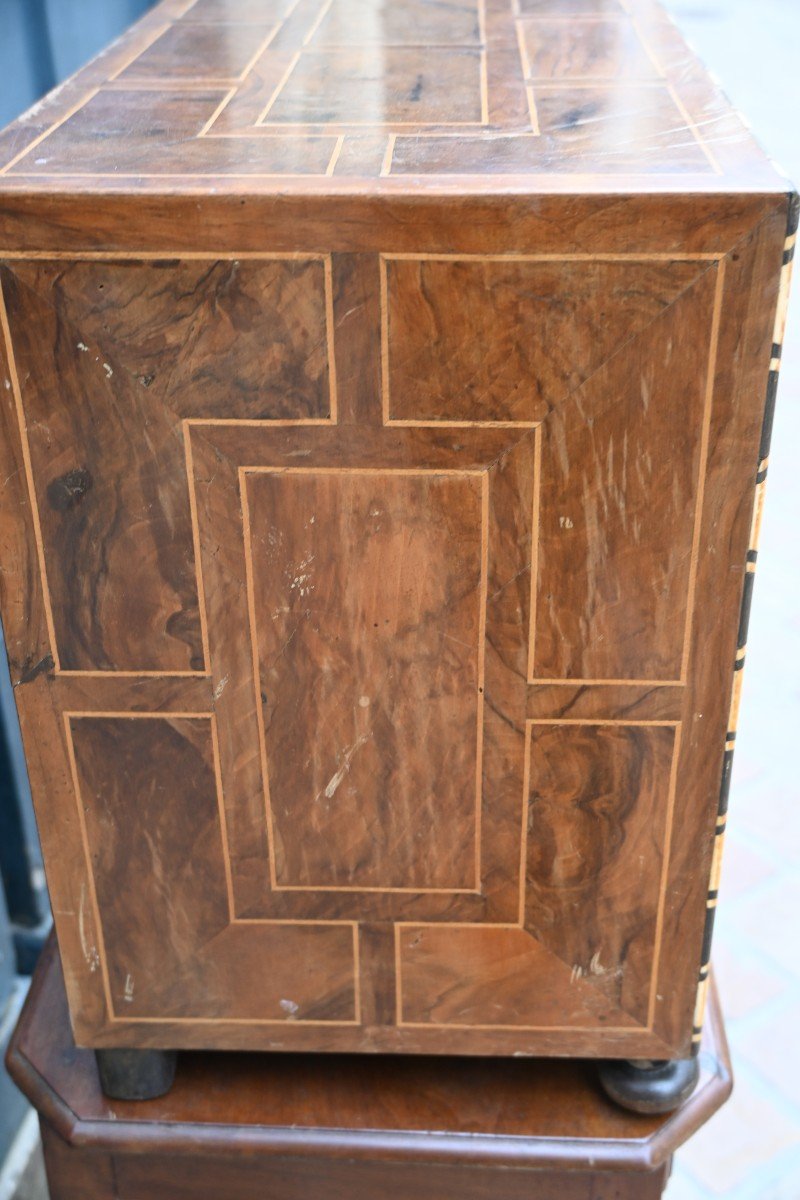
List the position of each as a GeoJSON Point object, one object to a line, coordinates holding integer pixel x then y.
{"type": "Point", "coordinates": [599, 808]}
{"type": "Point", "coordinates": [153, 829]}
{"type": "Point", "coordinates": [114, 356]}
{"type": "Point", "coordinates": [377, 493]}
{"type": "Point", "coordinates": [510, 338]}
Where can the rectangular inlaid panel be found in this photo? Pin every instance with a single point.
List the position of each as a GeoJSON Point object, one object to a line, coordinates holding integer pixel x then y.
{"type": "Point", "coordinates": [367, 601]}
{"type": "Point", "coordinates": [623, 465]}
{"type": "Point", "coordinates": [148, 791]}
{"type": "Point", "coordinates": [590, 48]}
{"type": "Point", "coordinates": [481, 977]}
{"type": "Point", "coordinates": [398, 85]}
{"type": "Point", "coordinates": [595, 822]}
{"type": "Point", "coordinates": [510, 338]}
{"type": "Point", "coordinates": [111, 356]}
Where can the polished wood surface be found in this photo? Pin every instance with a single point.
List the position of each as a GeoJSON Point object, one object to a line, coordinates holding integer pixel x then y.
{"type": "Point", "coordinates": [240, 1125]}
{"type": "Point", "coordinates": [375, 94]}
{"type": "Point", "coordinates": [374, 541]}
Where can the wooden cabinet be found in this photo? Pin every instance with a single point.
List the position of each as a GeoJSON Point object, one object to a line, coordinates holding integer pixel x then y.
{"type": "Point", "coordinates": [384, 389]}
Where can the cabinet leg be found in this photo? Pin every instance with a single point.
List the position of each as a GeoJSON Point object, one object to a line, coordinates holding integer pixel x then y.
{"type": "Point", "coordinates": [649, 1087]}
{"type": "Point", "coordinates": [136, 1074]}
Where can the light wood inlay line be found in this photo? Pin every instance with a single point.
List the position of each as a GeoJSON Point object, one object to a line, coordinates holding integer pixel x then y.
{"type": "Point", "coordinates": [702, 467]}
{"type": "Point", "coordinates": [337, 150]}
{"type": "Point", "coordinates": [256, 669]}
{"type": "Point", "coordinates": [523, 837]}
{"type": "Point", "coordinates": [198, 565]}
{"type": "Point", "coordinates": [12, 162]}
{"type": "Point", "coordinates": [650, 683]}
{"type": "Point", "coordinates": [598, 721]}
{"type": "Point", "coordinates": [200, 1022]}
{"type": "Point", "coordinates": [89, 885]}
{"type": "Point", "coordinates": [386, 165]}
{"type": "Point", "coordinates": [318, 21]}
{"type": "Point", "coordinates": [537, 489]}
{"type": "Point", "coordinates": [664, 882]}
{"type": "Point", "coordinates": [356, 974]}
{"type": "Point", "coordinates": [694, 130]}
{"type": "Point", "coordinates": [627, 256]}
{"type": "Point", "coordinates": [615, 1029]}
{"type": "Point", "coordinates": [223, 824]}
{"type": "Point", "coordinates": [329, 324]}
{"type": "Point", "coordinates": [158, 32]}
{"type": "Point", "coordinates": [99, 674]}
{"type": "Point", "coordinates": [223, 104]}
{"type": "Point", "coordinates": [160, 255]}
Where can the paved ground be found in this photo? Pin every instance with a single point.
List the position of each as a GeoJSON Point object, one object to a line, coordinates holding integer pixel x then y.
{"type": "Point", "coordinates": [751, 1150]}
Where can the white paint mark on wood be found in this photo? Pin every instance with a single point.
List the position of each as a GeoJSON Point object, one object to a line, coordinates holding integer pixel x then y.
{"type": "Point", "coordinates": [84, 349]}
{"type": "Point", "coordinates": [220, 688]}
{"type": "Point", "coordinates": [347, 758]}
{"type": "Point", "coordinates": [289, 1007]}
{"type": "Point", "coordinates": [127, 995]}
{"type": "Point", "coordinates": [89, 950]}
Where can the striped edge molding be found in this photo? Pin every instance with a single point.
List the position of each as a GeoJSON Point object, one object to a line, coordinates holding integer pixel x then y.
{"type": "Point", "coordinates": [793, 217]}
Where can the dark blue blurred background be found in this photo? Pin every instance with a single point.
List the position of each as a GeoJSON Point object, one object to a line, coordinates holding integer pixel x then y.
{"type": "Point", "coordinates": [44, 41]}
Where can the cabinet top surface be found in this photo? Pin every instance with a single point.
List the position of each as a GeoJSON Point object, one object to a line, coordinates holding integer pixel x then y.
{"type": "Point", "coordinates": [389, 96]}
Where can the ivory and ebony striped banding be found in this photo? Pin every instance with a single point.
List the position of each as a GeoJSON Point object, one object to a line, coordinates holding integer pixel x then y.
{"type": "Point", "coordinates": [744, 615]}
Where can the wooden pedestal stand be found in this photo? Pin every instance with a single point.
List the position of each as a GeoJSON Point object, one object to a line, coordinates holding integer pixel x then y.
{"type": "Point", "coordinates": [335, 1127]}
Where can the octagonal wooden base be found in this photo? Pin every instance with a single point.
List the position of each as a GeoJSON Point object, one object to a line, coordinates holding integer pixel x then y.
{"type": "Point", "coordinates": [289, 1126]}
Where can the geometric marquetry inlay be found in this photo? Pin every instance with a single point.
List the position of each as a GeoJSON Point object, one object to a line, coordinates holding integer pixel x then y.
{"type": "Point", "coordinates": [370, 89]}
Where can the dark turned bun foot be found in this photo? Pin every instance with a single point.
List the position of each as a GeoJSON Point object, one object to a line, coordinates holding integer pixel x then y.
{"type": "Point", "coordinates": [136, 1074]}
{"type": "Point", "coordinates": [649, 1087]}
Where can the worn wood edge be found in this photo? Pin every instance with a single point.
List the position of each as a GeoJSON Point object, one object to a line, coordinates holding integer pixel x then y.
{"type": "Point", "coordinates": [56, 224]}
{"type": "Point", "coordinates": [141, 1137]}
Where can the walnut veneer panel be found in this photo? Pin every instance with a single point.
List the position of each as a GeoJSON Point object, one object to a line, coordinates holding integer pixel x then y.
{"type": "Point", "coordinates": [342, 550]}
{"type": "Point", "coordinates": [384, 388]}
{"type": "Point", "coordinates": [173, 837]}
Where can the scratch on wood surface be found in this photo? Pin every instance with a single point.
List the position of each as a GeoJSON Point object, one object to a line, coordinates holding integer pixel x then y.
{"type": "Point", "coordinates": [349, 753]}
{"type": "Point", "coordinates": [44, 664]}
{"type": "Point", "coordinates": [89, 950]}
